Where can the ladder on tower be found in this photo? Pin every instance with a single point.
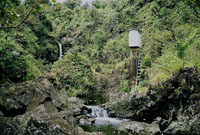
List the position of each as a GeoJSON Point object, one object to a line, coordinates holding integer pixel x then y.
{"type": "Point", "coordinates": [139, 61]}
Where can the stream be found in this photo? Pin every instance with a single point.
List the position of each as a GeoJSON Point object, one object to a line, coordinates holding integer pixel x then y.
{"type": "Point", "coordinates": [98, 119]}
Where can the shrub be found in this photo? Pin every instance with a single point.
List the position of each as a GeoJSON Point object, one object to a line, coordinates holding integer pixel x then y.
{"type": "Point", "coordinates": [74, 74]}
{"type": "Point", "coordinates": [164, 67]}
{"type": "Point", "coordinates": [124, 86]}
{"type": "Point", "coordinates": [15, 64]}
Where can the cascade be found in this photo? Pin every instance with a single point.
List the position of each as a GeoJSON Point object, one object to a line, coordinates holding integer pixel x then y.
{"type": "Point", "coordinates": [101, 116]}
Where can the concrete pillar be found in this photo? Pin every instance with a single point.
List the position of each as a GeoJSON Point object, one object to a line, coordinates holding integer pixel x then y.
{"type": "Point", "coordinates": [133, 66]}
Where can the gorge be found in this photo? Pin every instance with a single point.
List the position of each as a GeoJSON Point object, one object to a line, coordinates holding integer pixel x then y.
{"type": "Point", "coordinates": [65, 68]}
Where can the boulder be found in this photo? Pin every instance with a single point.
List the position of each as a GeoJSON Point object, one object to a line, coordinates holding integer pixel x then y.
{"type": "Point", "coordinates": [137, 128]}
{"type": "Point", "coordinates": [184, 126]}
{"type": "Point", "coordinates": [35, 108]}
{"type": "Point", "coordinates": [77, 106]}
{"type": "Point", "coordinates": [16, 100]}
{"type": "Point", "coordinates": [87, 121]}
{"type": "Point", "coordinates": [174, 104]}
{"type": "Point", "coordinates": [169, 99]}
{"type": "Point", "coordinates": [9, 126]}
{"type": "Point", "coordinates": [38, 127]}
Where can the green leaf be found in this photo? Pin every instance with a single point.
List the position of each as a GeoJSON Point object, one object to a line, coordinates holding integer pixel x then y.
{"type": "Point", "coordinates": [1, 48]}
{"type": "Point", "coordinates": [44, 5]}
{"type": "Point", "coordinates": [41, 8]}
{"type": "Point", "coordinates": [54, 1]}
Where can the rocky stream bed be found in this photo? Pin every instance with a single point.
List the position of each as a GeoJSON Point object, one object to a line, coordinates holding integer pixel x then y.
{"type": "Point", "coordinates": [38, 108]}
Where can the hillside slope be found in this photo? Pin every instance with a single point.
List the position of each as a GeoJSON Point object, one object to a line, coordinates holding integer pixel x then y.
{"type": "Point", "coordinates": [98, 37]}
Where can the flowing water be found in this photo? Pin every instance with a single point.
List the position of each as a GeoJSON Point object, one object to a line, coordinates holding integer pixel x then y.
{"type": "Point", "coordinates": [102, 122]}
{"type": "Point", "coordinates": [101, 116]}
{"type": "Point", "coordinates": [60, 50]}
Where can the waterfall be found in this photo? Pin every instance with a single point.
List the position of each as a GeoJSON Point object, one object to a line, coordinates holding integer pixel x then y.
{"type": "Point", "coordinates": [97, 112]}
{"type": "Point", "coordinates": [101, 116]}
{"type": "Point", "coordinates": [60, 50]}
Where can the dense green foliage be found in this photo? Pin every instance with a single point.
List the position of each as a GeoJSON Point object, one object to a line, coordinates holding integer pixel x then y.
{"type": "Point", "coordinates": [27, 48]}
{"type": "Point", "coordinates": [170, 38]}
{"type": "Point", "coordinates": [95, 42]}
{"type": "Point", "coordinates": [74, 74]}
{"type": "Point", "coordinates": [169, 34]}
{"type": "Point", "coordinates": [8, 12]}
{"type": "Point", "coordinates": [92, 34]}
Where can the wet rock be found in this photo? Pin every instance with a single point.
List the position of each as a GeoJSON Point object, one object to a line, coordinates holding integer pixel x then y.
{"type": "Point", "coordinates": [77, 106]}
{"type": "Point", "coordinates": [184, 126]}
{"type": "Point", "coordinates": [111, 113]}
{"type": "Point", "coordinates": [121, 109]}
{"type": "Point", "coordinates": [137, 128]}
{"type": "Point", "coordinates": [35, 108]}
{"type": "Point", "coordinates": [169, 98]}
{"type": "Point", "coordinates": [82, 132]}
{"type": "Point", "coordinates": [92, 120]}
{"type": "Point", "coordinates": [173, 99]}
{"type": "Point", "coordinates": [174, 104]}
{"type": "Point", "coordinates": [38, 127]}
{"type": "Point", "coordinates": [162, 123]}
{"type": "Point", "coordinates": [84, 122]}
{"type": "Point", "coordinates": [16, 100]}
{"type": "Point", "coordinates": [119, 105]}
{"type": "Point", "coordinates": [9, 126]}
{"type": "Point", "coordinates": [87, 121]}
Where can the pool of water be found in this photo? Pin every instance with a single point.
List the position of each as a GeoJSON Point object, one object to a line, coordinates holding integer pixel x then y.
{"type": "Point", "coordinates": [101, 121]}
{"type": "Point", "coordinates": [93, 99]}
{"type": "Point", "coordinates": [106, 129]}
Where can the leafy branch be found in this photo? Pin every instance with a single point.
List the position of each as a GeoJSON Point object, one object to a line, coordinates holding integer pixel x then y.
{"type": "Point", "coordinates": [23, 20]}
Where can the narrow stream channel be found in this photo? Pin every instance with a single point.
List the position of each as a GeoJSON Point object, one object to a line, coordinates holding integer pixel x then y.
{"type": "Point", "coordinates": [98, 119]}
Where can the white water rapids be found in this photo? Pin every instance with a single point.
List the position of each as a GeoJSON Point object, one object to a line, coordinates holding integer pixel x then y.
{"type": "Point", "coordinates": [101, 116]}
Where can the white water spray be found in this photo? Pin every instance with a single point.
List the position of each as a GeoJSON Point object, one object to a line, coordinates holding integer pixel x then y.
{"type": "Point", "coordinates": [101, 116]}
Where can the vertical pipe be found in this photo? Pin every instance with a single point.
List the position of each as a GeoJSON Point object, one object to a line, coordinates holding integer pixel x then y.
{"type": "Point", "coordinates": [133, 66]}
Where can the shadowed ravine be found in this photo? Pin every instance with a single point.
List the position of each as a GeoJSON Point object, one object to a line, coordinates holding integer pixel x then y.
{"type": "Point", "coordinates": [99, 67]}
